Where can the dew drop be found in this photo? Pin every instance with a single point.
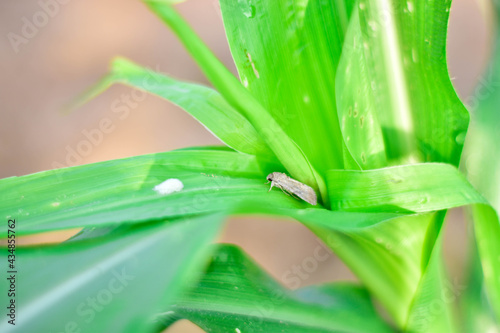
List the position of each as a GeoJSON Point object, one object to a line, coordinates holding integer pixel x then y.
{"type": "Point", "coordinates": [423, 200]}
{"type": "Point", "coordinates": [361, 121]}
{"type": "Point", "coordinates": [460, 138]}
{"type": "Point", "coordinates": [306, 99]}
{"type": "Point", "coordinates": [223, 257]}
{"type": "Point", "coordinates": [245, 82]}
{"type": "Point", "coordinates": [373, 25]}
{"type": "Point", "coordinates": [355, 113]}
{"type": "Point", "coordinates": [362, 5]}
{"type": "Point", "coordinates": [350, 111]}
{"type": "Point", "coordinates": [363, 157]}
{"type": "Point", "coordinates": [55, 204]}
{"type": "Point", "coordinates": [247, 8]}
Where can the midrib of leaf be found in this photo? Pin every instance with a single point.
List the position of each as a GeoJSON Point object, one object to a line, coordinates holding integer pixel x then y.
{"type": "Point", "coordinates": [400, 113]}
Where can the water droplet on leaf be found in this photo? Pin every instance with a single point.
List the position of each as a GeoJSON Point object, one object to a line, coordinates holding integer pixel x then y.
{"type": "Point", "coordinates": [247, 8]}
{"type": "Point", "coordinates": [460, 138]}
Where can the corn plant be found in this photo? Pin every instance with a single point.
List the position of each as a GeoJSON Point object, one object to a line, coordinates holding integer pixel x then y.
{"type": "Point", "coordinates": [351, 98]}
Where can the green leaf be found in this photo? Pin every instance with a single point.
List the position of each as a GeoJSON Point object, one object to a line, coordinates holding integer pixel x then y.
{"type": "Point", "coordinates": [121, 191]}
{"type": "Point", "coordinates": [413, 188]}
{"type": "Point", "coordinates": [113, 283]}
{"type": "Point", "coordinates": [409, 188]}
{"type": "Point", "coordinates": [286, 150]}
{"type": "Point", "coordinates": [236, 295]}
{"type": "Point", "coordinates": [385, 254]}
{"type": "Point", "coordinates": [287, 54]}
{"type": "Point", "coordinates": [434, 300]}
{"type": "Point", "coordinates": [204, 104]}
{"type": "Point", "coordinates": [396, 103]}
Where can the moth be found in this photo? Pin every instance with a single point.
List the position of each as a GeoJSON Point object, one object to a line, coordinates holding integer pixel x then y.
{"type": "Point", "coordinates": [292, 186]}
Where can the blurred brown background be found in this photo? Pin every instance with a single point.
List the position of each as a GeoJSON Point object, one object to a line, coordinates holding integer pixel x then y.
{"type": "Point", "coordinates": [72, 50]}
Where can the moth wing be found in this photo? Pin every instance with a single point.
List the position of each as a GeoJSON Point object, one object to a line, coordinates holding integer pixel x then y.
{"type": "Point", "coordinates": [300, 190]}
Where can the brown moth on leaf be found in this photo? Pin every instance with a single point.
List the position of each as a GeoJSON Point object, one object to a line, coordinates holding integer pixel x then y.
{"type": "Point", "coordinates": [292, 186]}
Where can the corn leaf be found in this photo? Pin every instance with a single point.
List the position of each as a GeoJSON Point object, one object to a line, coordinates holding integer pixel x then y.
{"type": "Point", "coordinates": [287, 54]}
{"type": "Point", "coordinates": [235, 295]}
{"type": "Point", "coordinates": [204, 104]}
{"type": "Point", "coordinates": [395, 100]}
{"type": "Point", "coordinates": [86, 285]}
{"type": "Point", "coordinates": [286, 150]}
{"type": "Point", "coordinates": [367, 241]}
{"type": "Point", "coordinates": [121, 191]}
{"type": "Point", "coordinates": [412, 189]}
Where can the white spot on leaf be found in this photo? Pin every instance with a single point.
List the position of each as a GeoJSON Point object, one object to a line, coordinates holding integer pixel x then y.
{"type": "Point", "coordinates": [409, 4]}
{"type": "Point", "coordinates": [169, 186]}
